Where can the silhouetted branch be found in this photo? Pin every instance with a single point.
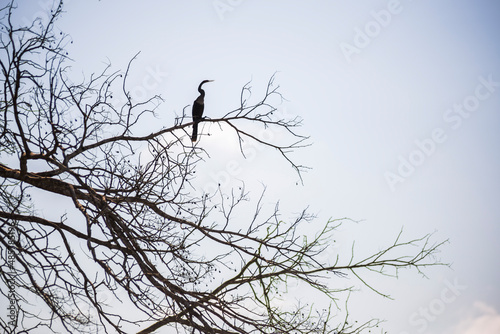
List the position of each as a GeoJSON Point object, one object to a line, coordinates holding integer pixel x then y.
{"type": "Point", "coordinates": [131, 231]}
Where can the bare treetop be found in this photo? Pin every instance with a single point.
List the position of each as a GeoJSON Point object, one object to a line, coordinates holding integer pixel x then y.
{"type": "Point", "coordinates": [136, 231]}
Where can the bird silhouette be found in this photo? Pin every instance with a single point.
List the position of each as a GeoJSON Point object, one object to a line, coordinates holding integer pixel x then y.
{"type": "Point", "coordinates": [198, 107]}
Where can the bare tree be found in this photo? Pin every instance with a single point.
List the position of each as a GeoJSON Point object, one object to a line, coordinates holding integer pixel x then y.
{"type": "Point", "coordinates": [136, 229]}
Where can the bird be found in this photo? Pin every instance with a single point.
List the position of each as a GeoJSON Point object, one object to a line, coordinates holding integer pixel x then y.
{"type": "Point", "coordinates": [198, 107]}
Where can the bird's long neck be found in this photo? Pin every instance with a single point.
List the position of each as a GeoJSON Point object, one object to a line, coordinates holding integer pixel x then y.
{"type": "Point", "coordinates": [202, 92]}
{"type": "Point", "coordinates": [200, 98]}
{"type": "Point", "coordinates": [202, 95]}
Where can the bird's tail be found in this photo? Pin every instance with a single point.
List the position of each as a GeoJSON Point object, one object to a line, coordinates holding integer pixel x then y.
{"type": "Point", "coordinates": [194, 137]}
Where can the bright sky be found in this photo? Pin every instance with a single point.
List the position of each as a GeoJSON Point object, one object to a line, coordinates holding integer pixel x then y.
{"type": "Point", "coordinates": [401, 100]}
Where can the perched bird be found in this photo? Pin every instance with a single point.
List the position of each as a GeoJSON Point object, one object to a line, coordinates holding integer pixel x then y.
{"type": "Point", "coordinates": [198, 107]}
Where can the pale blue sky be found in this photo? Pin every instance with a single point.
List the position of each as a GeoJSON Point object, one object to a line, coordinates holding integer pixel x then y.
{"type": "Point", "coordinates": [363, 113]}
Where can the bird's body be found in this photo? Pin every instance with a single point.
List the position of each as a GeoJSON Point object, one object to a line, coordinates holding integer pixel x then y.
{"type": "Point", "coordinates": [198, 107]}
